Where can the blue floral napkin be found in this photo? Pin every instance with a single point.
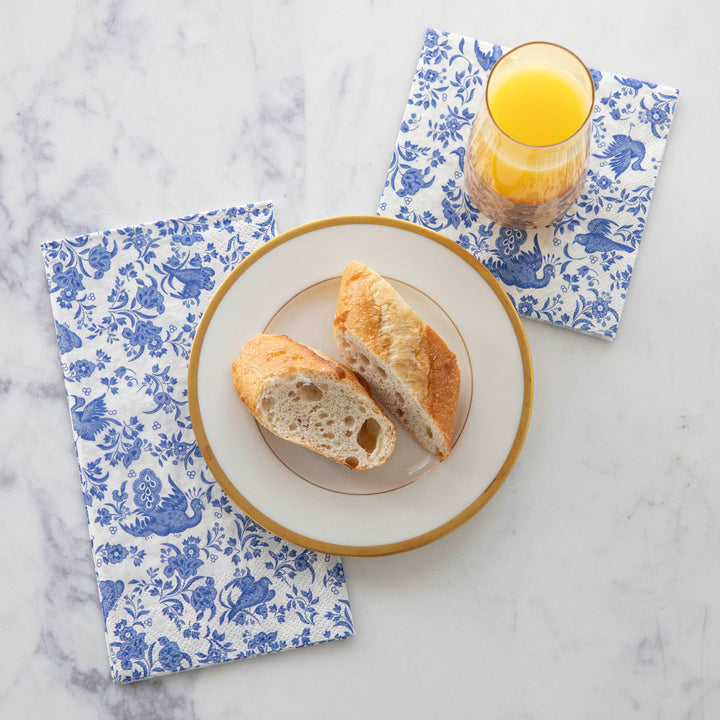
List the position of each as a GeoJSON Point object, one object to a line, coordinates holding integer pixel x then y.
{"type": "Point", "coordinates": [185, 579]}
{"type": "Point", "coordinates": [575, 273]}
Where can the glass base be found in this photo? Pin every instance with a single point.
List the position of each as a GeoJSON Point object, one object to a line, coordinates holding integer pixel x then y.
{"type": "Point", "coordinates": [520, 216]}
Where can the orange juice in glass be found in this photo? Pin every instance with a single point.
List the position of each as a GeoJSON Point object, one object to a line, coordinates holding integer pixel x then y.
{"type": "Point", "coordinates": [527, 157]}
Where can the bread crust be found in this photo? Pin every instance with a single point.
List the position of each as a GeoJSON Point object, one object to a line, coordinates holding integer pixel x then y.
{"type": "Point", "coordinates": [443, 382]}
{"type": "Point", "coordinates": [266, 357]}
{"type": "Point", "coordinates": [369, 308]}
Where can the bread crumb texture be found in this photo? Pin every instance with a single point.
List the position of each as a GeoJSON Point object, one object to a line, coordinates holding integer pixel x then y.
{"type": "Point", "coordinates": [304, 396]}
{"type": "Point", "coordinates": [408, 367]}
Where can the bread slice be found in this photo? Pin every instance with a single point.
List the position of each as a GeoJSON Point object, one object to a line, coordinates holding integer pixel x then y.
{"type": "Point", "coordinates": [304, 396]}
{"type": "Point", "coordinates": [409, 369]}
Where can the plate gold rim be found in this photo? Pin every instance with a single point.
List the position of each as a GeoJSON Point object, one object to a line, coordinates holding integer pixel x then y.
{"type": "Point", "coordinates": [313, 543]}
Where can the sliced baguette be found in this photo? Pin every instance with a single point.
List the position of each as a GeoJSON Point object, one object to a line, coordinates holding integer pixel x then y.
{"type": "Point", "coordinates": [409, 369]}
{"type": "Point", "coordinates": [306, 397]}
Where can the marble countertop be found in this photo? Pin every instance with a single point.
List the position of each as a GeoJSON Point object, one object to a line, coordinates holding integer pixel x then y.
{"type": "Point", "coordinates": [590, 586]}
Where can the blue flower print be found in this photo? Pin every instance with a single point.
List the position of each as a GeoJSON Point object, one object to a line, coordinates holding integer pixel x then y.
{"type": "Point", "coordinates": [335, 578]}
{"type": "Point", "coordinates": [527, 304]}
{"type": "Point", "coordinates": [450, 212]}
{"type": "Point", "coordinates": [185, 563]}
{"type": "Point", "coordinates": [145, 334]}
{"type": "Point", "coordinates": [141, 240]}
{"type": "Point", "coordinates": [337, 572]}
{"type": "Point", "coordinates": [413, 180]}
{"type": "Point", "coordinates": [430, 91]}
{"type": "Point", "coordinates": [601, 306]}
{"type": "Point", "coordinates": [304, 561]}
{"type": "Point", "coordinates": [110, 593]}
{"type": "Point", "coordinates": [149, 298]}
{"type": "Point", "coordinates": [103, 517]}
{"type": "Point", "coordinates": [131, 645]}
{"type": "Point", "coordinates": [160, 385]}
{"type": "Point", "coordinates": [176, 450]}
{"type": "Point", "coordinates": [99, 259]}
{"type": "Point", "coordinates": [170, 657]}
{"type": "Point", "coordinates": [82, 369]}
{"type": "Point", "coordinates": [188, 238]}
{"type": "Point", "coordinates": [68, 282]}
{"type": "Point", "coordinates": [214, 655]}
{"type": "Point", "coordinates": [437, 158]}
{"type": "Point", "coordinates": [658, 115]}
{"type": "Point", "coordinates": [116, 554]}
{"type": "Point", "coordinates": [263, 642]}
{"type": "Point", "coordinates": [164, 400]}
{"type": "Point", "coordinates": [67, 339]}
{"type": "Point", "coordinates": [451, 126]}
{"type": "Point", "coordinates": [132, 452]}
{"type": "Point", "coordinates": [604, 182]}
{"type": "Point", "coordinates": [596, 76]}
{"type": "Point", "coordinates": [432, 52]}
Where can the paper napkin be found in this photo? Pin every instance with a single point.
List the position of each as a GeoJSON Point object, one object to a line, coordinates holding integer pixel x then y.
{"type": "Point", "coordinates": [576, 273]}
{"type": "Point", "coordinates": [185, 579]}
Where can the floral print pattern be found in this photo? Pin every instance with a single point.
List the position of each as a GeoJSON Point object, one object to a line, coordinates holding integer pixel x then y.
{"type": "Point", "coordinates": [185, 579]}
{"type": "Point", "coordinates": [575, 273]}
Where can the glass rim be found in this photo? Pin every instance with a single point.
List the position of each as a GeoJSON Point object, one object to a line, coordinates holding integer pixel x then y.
{"type": "Point", "coordinates": [585, 121]}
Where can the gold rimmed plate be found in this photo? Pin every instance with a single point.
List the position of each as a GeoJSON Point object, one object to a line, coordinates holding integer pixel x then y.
{"type": "Point", "coordinates": [289, 286]}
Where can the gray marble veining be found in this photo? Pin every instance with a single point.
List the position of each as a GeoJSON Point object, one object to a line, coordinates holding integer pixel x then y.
{"type": "Point", "coordinates": [590, 586]}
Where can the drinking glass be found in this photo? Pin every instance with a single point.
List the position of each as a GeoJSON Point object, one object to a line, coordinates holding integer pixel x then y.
{"type": "Point", "coordinates": [527, 158]}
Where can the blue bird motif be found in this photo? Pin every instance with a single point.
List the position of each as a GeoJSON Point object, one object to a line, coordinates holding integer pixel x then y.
{"type": "Point", "coordinates": [634, 84]}
{"type": "Point", "coordinates": [252, 592]}
{"type": "Point", "coordinates": [519, 268]}
{"type": "Point", "coordinates": [110, 593]}
{"type": "Point", "coordinates": [621, 152]}
{"type": "Point", "coordinates": [90, 419]}
{"type": "Point", "coordinates": [460, 152]}
{"type": "Point", "coordinates": [598, 240]}
{"type": "Point", "coordinates": [187, 282]}
{"type": "Point", "coordinates": [487, 59]}
{"type": "Point", "coordinates": [160, 515]}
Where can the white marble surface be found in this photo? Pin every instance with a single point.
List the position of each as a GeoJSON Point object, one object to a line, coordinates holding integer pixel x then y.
{"type": "Point", "coordinates": [590, 586]}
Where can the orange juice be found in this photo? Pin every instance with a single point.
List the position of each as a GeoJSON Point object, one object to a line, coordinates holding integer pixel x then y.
{"type": "Point", "coordinates": [527, 156]}
{"type": "Point", "coordinates": [538, 104]}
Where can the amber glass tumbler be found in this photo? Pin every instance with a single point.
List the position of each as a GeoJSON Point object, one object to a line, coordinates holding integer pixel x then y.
{"type": "Point", "coordinates": [527, 158]}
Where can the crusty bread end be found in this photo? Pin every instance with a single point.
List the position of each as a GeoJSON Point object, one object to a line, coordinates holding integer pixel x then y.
{"type": "Point", "coordinates": [409, 368]}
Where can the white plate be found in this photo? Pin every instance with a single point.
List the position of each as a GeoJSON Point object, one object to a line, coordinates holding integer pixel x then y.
{"type": "Point", "coordinates": [290, 286]}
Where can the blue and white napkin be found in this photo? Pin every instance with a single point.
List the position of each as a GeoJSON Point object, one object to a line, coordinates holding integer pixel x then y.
{"type": "Point", "coordinates": [575, 273]}
{"type": "Point", "coordinates": [185, 579]}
